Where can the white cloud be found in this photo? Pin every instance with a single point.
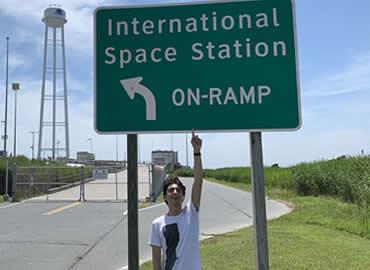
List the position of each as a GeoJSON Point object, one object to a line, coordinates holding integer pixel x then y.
{"type": "Point", "coordinates": [354, 78]}
{"type": "Point", "coordinates": [78, 30]}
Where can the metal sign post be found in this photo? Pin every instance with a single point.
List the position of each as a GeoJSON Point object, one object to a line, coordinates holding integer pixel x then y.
{"type": "Point", "coordinates": [132, 196]}
{"type": "Point", "coordinates": [259, 204]}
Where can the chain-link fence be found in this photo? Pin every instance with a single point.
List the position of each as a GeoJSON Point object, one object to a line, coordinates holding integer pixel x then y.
{"type": "Point", "coordinates": [33, 182]}
{"type": "Point", "coordinates": [104, 183]}
{"type": "Point", "coordinates": [114, 185]}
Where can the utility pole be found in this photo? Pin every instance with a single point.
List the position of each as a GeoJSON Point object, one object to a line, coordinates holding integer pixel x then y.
{"type": "Point", "coordinates": [138, 146]}
{"type": "Point", "coordinates": [187, 156]}
{"type": "Point", "coordinates": [15, 87]}
{"type": "Point", "coordinates": [6, 96]}
{"type": "Point", "coordinates": [33, 143]}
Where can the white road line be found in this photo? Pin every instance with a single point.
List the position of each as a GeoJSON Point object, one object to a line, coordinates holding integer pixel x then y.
{"type": "Point", "coordinates": [146, 208]}
{"type": "Point", "coordinates": [10, 205]}
{"type": "Point", "coordinates": [150, 207]}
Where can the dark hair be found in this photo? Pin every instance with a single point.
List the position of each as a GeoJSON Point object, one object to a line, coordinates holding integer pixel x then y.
{"type": "Point", "coordinates": [173, 180]}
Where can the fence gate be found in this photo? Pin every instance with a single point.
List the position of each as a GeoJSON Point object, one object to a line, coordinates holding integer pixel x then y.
{"type": "Point", "coordinates": [110, 184]}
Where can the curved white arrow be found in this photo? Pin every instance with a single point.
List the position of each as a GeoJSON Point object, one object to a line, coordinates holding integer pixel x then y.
{"type": "Point", "coordinates": [133, 86]}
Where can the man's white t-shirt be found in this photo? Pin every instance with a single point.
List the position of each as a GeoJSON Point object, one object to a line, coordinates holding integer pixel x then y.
{"type": "Point", "coordinates": [178, 237]}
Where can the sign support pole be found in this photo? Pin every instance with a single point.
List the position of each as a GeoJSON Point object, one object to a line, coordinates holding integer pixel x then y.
{"type": "Point", "coordinates": [259, 204]}
{"type": "Point", "coordinates": [132, 196]}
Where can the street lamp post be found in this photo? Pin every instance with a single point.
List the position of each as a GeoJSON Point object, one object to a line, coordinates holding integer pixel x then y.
{"type": "Point", "coordinates": [15, 87]}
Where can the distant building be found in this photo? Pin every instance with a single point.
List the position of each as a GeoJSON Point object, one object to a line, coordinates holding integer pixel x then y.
{"type": "Point", "coordinates": [62, 159]}
{"type": "Point", "coordinates": [165, 158]}
{"type": "Point", "coordinates": [85, 157]}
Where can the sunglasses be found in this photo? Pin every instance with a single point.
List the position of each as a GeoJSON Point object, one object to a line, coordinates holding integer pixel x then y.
{"type": "Point", "coordinates": [173, 189]}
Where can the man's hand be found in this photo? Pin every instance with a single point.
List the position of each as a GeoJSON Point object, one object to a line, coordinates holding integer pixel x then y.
{"type": "Point", "coordinates": [196, 142]}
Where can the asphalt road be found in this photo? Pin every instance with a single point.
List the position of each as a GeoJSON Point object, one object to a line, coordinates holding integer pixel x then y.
{"type": "Point", "coordinates": [94, 235]}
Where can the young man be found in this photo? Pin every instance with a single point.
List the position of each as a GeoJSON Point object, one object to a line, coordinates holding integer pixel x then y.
{"type": "Point", "coordinates": [177, 232]}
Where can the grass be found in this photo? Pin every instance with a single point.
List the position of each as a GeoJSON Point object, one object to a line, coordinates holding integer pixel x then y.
{"type": "Point", "coordinates": [1, 198]}
{"type": "Point", "coordinates": [319, 210]}
{"type": "Point", "coordinates": [321, 233]}
{"type": "Point", "coordinates": [296, 246]}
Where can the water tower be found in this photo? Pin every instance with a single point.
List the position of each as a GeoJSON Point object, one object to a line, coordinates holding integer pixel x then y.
{"type": "Point", "coordinates": [53, 132]}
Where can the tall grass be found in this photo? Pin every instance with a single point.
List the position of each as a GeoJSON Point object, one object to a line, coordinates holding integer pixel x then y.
{"type": "Point", "coordinates": [346, 178]}
{"type": "Point", "coordinates": [274, 177]}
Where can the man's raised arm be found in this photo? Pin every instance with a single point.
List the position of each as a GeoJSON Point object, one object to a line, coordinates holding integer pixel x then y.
{"type": "Point", "coordinates": [198, 171]}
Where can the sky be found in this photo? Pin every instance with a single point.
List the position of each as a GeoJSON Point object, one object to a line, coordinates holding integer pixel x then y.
{"type": "Point", "coordinates": [333, 40]}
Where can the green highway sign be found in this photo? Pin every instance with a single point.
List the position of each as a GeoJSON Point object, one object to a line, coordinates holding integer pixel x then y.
{"type": "Point", "coordinates": [213, 66]}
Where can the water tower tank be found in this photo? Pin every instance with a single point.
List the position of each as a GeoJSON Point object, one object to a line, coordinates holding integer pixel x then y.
{"type": "Point", "coordinates": [54, 17]}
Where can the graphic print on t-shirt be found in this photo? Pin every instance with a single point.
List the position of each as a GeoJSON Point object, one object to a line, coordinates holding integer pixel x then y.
{"type": "Point", "coordinates": [171, 234]}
